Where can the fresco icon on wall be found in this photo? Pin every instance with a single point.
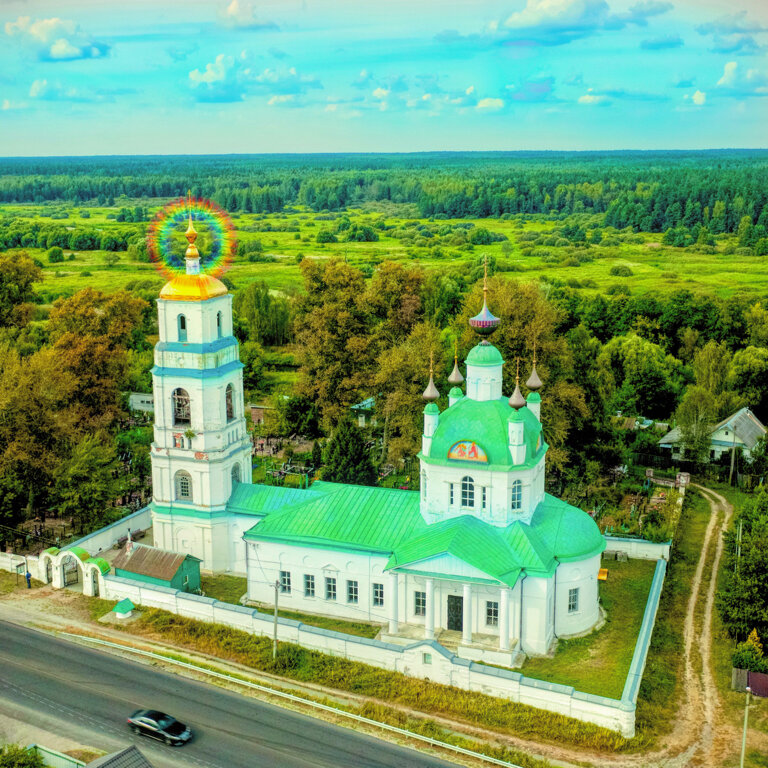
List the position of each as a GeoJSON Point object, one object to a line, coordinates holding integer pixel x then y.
{"type": "Point", "coordinates": [466, 450]}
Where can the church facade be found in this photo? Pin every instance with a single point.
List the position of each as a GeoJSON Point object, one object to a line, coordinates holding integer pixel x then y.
{"type": "Point", "coordinates": [480, 552]}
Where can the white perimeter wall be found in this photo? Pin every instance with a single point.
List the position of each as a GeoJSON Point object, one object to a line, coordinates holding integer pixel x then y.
{"type": "Point", "coordinates": [424, 659]}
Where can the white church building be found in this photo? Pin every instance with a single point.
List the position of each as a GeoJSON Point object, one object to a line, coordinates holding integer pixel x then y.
{"type": "Point", "coordinates": [480, 555]}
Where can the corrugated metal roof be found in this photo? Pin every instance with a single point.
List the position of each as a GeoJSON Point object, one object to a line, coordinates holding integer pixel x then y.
{"type": "Point", "coordinates": [149, 561]}
{"type": "Point", "coordinates": [746, 426]}
{"type": "Point", "coordinates": [130, 757]}
{"type": "Point", "coordinates": [259, 500]}
{"type": "Point", "coordinates": [355, 516]}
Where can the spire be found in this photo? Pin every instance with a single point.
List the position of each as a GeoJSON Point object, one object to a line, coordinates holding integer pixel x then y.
{"type": "Point", "coordinates": [534, 382]}
{"type": "Point", "coordinates": [192, 255]}
{"type": "Point", "coordinates": [455, 379]}
{"type": "Point", "coordinates": [517, 401]}
{"type": "Point", "coordinates": [431, 393]}
{"type": "Point", "coordinates": [484, 323]}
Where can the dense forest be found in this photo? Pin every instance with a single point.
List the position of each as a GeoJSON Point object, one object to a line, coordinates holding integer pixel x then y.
{"type": "Point", "coordinates": [649, 191]}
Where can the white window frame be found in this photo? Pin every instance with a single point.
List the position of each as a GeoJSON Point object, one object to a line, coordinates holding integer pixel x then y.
{"type": "Point", "coordinates": [491, 613]}
{"type": "Point", "coordinates": [419, 603]}
{"type": "Point", "coordinates": [330, 588]}
{"type": "Point", "coordinates": [285, 582]}
{"type": "Point", "coordinates": [467, 492]}
{"type": "Point", "coordinates": [378, 594]}
{"type": "Point", "coordinates": [573, 600]}
{"type": "Point", "coordinates": [353, 591]}
{"type": "Point", "coordinates": [309, 585]}
{"type": "Point", "coordinates": [516, 496]}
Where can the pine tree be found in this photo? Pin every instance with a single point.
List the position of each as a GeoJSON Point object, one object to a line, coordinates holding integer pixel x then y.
{"type": "Point", "coordinates": [347, 460]}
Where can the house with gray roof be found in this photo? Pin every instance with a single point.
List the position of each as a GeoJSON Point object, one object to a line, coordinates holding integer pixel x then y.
{"type": "Point", "coordinates": [740, 430]}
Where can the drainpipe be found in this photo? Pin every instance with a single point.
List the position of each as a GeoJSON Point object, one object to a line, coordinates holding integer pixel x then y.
{"type": "Point", "coordinates": [554, 606]}
{"type": "Point", "coordinates": [520, 623]}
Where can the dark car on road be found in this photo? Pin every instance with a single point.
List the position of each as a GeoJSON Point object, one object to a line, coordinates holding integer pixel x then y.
{"type": "Point", "coordinates": [158, 725]}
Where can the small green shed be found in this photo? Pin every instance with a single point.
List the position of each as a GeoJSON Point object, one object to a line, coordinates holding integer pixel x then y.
{"type": "Point", "coordinates": [158, 566]}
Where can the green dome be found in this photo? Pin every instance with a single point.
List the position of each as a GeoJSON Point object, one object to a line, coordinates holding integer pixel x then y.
{"type": "Point", "coordinates": [533, 397]}
{"type": "Point", "coordinates": [431, 408]}
{"type": "Point", "coordinates": [456, 392]}
{"type": "Point", "coordinates": [485, 424]}
{"type": "Point", "coordinates": [484, 354]}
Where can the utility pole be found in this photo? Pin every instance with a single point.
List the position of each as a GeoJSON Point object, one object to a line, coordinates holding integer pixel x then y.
{"type": "Point", "coordinates": [744, 735]}
{"type": "Point", "coordinates": [274, 635]}
{"type": "Point", "coordinates": [733, 456]}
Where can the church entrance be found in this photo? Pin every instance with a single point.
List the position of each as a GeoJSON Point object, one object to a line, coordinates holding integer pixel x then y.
{"type": "Point", "coordinates": [456, 612]}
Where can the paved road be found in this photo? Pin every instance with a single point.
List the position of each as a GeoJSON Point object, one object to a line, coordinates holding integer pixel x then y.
{"type": "Point", "coordinates": [84, 693]}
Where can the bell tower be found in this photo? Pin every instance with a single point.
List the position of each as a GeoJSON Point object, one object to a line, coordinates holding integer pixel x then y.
{"type": "Point", "coordinates": [201, 448]}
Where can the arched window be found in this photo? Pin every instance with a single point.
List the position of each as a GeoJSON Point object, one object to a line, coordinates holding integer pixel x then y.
{"type": "Point", "coordinates": [183, 484]}
{"type": "Point", "coordinates": [235, 473]}
{"type": "Point", "coordinates": [181, 409]}
{"type": "Point", "coordinates": [467, 492]}
{"type": "Point", "coordinates": [517, 495]}
{"type": "Point", "coordinates": [424, 486]}
{"type": "Point", "coordinates": [229, 400]}
{"type": "Point", "coordinates": [182, 324]}
{"type": "Point", "coordinates": [218, 325]}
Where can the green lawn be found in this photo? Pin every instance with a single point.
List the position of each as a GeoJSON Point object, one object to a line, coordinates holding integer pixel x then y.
{"type": "Point", "coordinates": [654, 267]}
{"type": "Point", "coordinates": [599, 662]}
{"type": "Point", "coordinates": [229, 589]}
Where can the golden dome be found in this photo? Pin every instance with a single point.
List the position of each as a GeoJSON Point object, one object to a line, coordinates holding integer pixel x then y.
{"type": "Point", "coordinates": [193, 288]}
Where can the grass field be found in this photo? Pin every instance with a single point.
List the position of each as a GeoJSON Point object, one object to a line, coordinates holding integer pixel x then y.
{"type": "Point", "coordinates": [599, 662]}
{"type": "Point", "coordinates": [654, 267]}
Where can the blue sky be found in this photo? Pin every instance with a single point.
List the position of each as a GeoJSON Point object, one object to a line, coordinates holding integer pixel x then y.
{"type": "Point", "coordinates": [200, 76]}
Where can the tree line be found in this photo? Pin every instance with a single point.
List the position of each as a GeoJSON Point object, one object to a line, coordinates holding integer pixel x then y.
{"type": "Point", "coordinates": [653, 191]}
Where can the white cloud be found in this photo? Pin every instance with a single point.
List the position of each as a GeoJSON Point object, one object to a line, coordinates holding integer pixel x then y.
{"type": "Point", "coordinates": [699, 98]}
{"type": "Point", "coordinates": [592, 98]}
{"type": "Point", "coordinates": [241, 13]}
{"type": "Point", "coordinates": [44, 90]}
{"type": "Point", "coordinates": [490, 103]}
{"type": "Point", "coordinates": [470, 90]}
{"type": "Point", "coordinates": [729, 74]}
{"type": "Point", "coordinates": [282, 98]}
{"type": "Point", "coordinates": [56, 39]}
{"type": "Point", "coordinates": [8, 105]}
{"type": "Point", "coordinates": [215, 71]}
{"type": "Point", "coordinates": [381, 93]}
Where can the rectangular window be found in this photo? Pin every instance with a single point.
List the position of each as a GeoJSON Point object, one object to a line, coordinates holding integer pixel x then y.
{"type": "Point", "coordinates": [492, 613]}
{"type": "Point", "coordinates": [330, 588]}
{"type": "Point", "coordinates": [426, 658]}
{"type": "Point", "coordinates": [450, 493]}
{"type": "Point", "coordinates": [351, 591]}
{"type": "Point", "coordinates": [420, 603]}
{"type": "Point", "coordinates": [309, 585]}
{"type": "Point", "coordinates": [484, 496]}
{"type": "Point", "coordinates": [573, 600]}
{"type": "Point", "coordinates": [285, 581]}
{"type": "Point", "coordinates": [378, 594]}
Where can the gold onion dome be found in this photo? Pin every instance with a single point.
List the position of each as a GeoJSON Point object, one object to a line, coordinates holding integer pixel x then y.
{"type": "Point", "coordinates": [431, 392]}
{"type": "Point", "coordinates": [193, 285]}
{"type": "Point", "coordinates": [455, 379]}
{"type": "Point", "coordinates": [517, 401]}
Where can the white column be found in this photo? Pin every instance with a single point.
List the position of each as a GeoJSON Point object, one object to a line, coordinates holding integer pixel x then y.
{"type": "Point", "coordinates": [429, 623]}
{"type": "Point", "coordinates": [504, 619]}
{"type": "Point", "coordinates": [394, 625]}
{"type": "Point", "coordinates": [466, 622]}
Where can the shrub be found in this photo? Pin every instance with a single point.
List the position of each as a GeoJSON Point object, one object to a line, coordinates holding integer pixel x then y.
{"type": "Point", "coordinates": [621, 270]}
{"type": "Point", "coordinates": [55, 255]}
{"type": "Point", "coordinates": [749, 654]}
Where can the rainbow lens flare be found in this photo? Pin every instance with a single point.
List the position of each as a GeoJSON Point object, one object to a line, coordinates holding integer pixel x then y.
{"type": "Point", "coordinates": [167, 245]}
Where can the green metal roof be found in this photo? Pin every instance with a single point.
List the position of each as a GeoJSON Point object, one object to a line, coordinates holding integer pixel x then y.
{"type": "Point", "coordinates": [467, 538]}
{"type": "Point", "coordinates": [485, 423]}
{"type": "Point", "coordinates": [124, 606]}
{"type": "Point", "coordinates": [388, 521]}
{"type": "Point", "coordinates": [431, 408]}
{"type": "Point", "coordinates": [80, 553]}
{"type": "Point", "coordinates": [260, 500]}
{"type": "Point", "coordinates": [484, 354]}
{"type": "Point", "coordinates": [533, 397]}
{"type": "Point", "coordinates": [367, 405]}
{"type": "Point", "coordinates": [570, 533]}
{"type": "Point", "coordinates": [100, 562]}
{"type": "Point", "coordinates": [456, 392]}
{"type": "Point", "coordinates": [350, 517]}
